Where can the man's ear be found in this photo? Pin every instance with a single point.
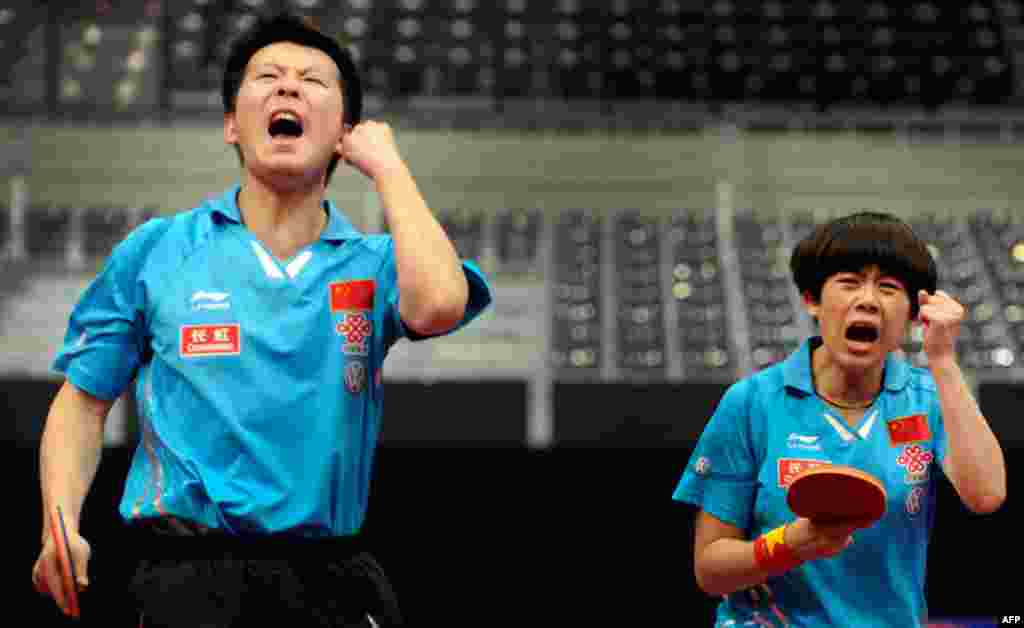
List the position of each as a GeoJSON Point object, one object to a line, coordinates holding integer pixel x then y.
{"type": "Point", "coordinates": [230, 128]}
{"type": "Point", "coordinates": [346, 128]}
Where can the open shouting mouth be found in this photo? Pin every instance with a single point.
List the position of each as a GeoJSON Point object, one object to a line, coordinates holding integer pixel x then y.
{"type": "Point", "coordinates": [285, 124]}
{"type": "Point", "coordinates": [862, 335]}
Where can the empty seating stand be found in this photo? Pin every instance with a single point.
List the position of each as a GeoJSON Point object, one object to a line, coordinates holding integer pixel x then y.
{"type": "Point", "coordinates": [985, 349]}
{"type": "Point", "coordinates": [47, 232]}
{"type": "Point", "coordinates": [23, 76]}
{"type": "Point", "coordinates": [466, 230]}
{"type": "Point", "coordinates": [110, 60]}
{"type": "Point", "coordinates": [75, 238]}
{"type": "Point", "coordinates": [200, 33]}
{"type": "Point", "coordinates": [5, 228]}
{"type": "Point", "coordinates": [699, 291]}
{"type": "Point", "coordinates": [169, 57]}
{"type": "Point", "coordinates": [432, 48]}
{"type": "Point", "coordinates": [1000, 241]}
{"type": "Point", "coordinates": [577, 338]}
{"type": "Point", "coordinates": [828, 52]}
{"type": "Point", "coordinates": [767, 289]}
{"type": "Point", "coordinates": [820, 52]}
{"type": "Point", "coordinates": [640, 324]}
{"type": "Point", "coordinates": [103, 228]}
{"type": "Point", "coordinates": [518, 239]}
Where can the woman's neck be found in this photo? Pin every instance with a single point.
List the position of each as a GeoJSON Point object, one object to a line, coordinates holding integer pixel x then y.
{"type": "Point", "coordinates": [841, 386]}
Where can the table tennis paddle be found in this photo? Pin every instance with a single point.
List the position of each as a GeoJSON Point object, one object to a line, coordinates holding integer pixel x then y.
{"type": "Point", "coordinates": [836, 493]}
{"type": "Point", "coordinates": [67, 565]}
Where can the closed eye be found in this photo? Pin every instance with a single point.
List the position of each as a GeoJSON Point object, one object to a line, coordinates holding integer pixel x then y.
{"type": "Point", "coordinates": [316, 80]}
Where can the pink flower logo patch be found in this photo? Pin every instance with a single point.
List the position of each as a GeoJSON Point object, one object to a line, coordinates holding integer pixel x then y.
{"type": "Point", "coordinates": [915, 459]}
{"type": "Point", "coordinates": [356, 328]}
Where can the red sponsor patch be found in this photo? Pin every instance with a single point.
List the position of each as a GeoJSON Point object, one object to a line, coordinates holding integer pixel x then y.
{"type": "Point", "coordinates": [352, 295]}
{"type": "Point", "coordinates": [909, 429]}
{"type": "Point", "coordinates": [200, 340]}
{"type": "Point", "coordinates": [790, 467]}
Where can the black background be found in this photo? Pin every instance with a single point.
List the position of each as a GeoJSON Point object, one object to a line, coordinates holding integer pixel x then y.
{"type": "Point", "coordinates": [477, 530]}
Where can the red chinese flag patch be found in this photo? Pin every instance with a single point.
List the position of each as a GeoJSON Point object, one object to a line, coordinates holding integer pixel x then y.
{"type": "Point", "coordinates": [352, 295]}
{"type": "Point", "coordinates": [909, 429]}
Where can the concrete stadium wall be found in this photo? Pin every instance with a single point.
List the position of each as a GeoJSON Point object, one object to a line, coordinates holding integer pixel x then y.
{"type": "Point", "coordinates": [173, 167]}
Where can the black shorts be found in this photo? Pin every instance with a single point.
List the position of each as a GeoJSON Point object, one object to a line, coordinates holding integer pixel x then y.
{"type": "Point", "coordinates": [212, 580]}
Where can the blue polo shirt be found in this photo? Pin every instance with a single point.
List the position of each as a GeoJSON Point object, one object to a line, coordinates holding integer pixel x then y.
{"type": "Point", "coordinates": [258, 380]}
{"type": "Point", "coordinates": [770, 426]}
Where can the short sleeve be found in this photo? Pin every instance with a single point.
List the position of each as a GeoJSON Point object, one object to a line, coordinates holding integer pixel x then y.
{"type": "Point", "coordinates": [394, 329]}
{"type": "Point", "coordinates": [721, 475]}
{"type": "Point", "coordinates": [105, 338]}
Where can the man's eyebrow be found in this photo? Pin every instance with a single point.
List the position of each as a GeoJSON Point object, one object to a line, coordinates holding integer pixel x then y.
{"type": "Point", "coordinates": [283, 68]}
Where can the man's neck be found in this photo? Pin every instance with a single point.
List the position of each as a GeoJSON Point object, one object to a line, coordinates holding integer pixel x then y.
{"type": "Point", "coordinates": [284, 220]}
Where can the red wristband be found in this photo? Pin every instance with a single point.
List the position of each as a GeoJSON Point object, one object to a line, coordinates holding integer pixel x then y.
{"type": "Point", "coordinates": [772, 554]}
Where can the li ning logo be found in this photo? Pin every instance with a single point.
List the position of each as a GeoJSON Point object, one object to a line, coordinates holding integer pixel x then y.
{"type": "Point", "coordinates": [210, 300]}
{"type": "Point", "coordinates": [799, 441]}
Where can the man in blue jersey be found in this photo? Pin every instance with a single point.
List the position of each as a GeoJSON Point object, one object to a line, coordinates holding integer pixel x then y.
{"type": "Point", "coordinates": [255, 327]}
{"type": "Point", "coordinates": [842, 398]}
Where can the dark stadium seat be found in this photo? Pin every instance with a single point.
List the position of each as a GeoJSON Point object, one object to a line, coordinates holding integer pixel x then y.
{"type": "Point", "coordinates": [767, 288]}
{"type": "Point", "coordinates": [5, 227]}
{"type": "Point", "coordinates": [699, 290]}
{"type": "Point", "coordinates": [491, 57]}
{"type": "Point", "coordinates": [1000, 240]}
{"type": "Point", "coordinates": [947, 245]}
{"type": "Point", "coordinates": [518, 239]}
{"type": "Point", "coordinates": [111, 59]}
{"type": "Point", "coordinates": [576, 328]}
{"type": "Point", "coordinates": [103, 228]}
{"type": "Point", "coordinates": [23, 60]}
{"type": "Point", "coordinates": [432, 48]}
{"type": "Point", "coordinates": [47, 229]}
{"type": "Point", "coordinates": [640, 296]}
{"type": "Point", "coordinates": [984, 346]}
{"type": "Point", "coordinates": [546, 50]}
{"type": "Point", "coordinates": [192, 25]}
{"type": "Point", "coordinates": [801, 225]}
{"type": "Point", "coordinates": [878, 53]}
{"type": "Point", "coordinates": [466, 230]}
{"type": "Point", "coordinates": [199, 33]}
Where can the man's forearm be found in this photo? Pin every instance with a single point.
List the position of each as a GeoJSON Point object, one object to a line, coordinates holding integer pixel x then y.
{"type": "Point", "coordinates": [69, 453]}
{"type": "Point", "coordinates": [430, 277]}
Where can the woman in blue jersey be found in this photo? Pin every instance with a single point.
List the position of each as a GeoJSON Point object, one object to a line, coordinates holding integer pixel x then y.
{"type": "Point", "coordinates": [843, 397]}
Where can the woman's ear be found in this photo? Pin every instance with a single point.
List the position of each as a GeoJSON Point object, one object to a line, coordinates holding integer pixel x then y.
{"type": "Point", "coordinates": [811, 304]}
